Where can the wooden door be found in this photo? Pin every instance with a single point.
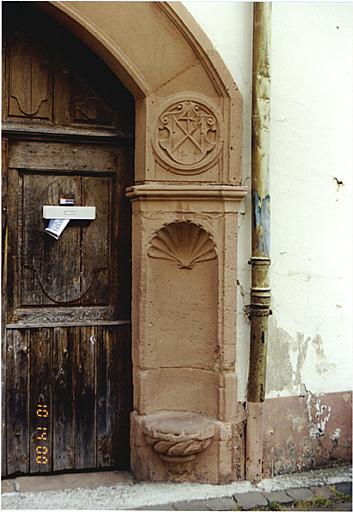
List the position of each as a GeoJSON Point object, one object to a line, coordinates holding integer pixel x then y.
{"type": "Point", "coordinates": [67, 123]}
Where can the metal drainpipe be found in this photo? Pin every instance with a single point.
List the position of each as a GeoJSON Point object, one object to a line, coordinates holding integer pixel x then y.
{"type": "Point", "coordinates": [259, 309]}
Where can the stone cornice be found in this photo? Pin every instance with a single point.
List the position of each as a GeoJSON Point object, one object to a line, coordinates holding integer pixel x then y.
{"type": "Point", "coordinates": [160, 192]}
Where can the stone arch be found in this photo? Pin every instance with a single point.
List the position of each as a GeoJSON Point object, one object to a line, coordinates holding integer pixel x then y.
{"type": "Point", "coordinates": [188, 140]}
{"type": "Point", "coordinates": [96, 26]}
{"type": "Point", "coordinates": [164, 53]}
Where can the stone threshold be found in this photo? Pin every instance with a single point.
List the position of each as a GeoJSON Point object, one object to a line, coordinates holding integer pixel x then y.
{"type": "Point", "coordinates": [58, 482]}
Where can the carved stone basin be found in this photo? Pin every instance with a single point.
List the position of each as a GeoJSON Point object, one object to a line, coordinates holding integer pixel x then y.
{"type": "Point", "coordinates": [178, 436]}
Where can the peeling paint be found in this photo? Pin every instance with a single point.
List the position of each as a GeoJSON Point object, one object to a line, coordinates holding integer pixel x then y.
{"type": "Point", "coordinates": [241, 288]}
{"type": "Point", "coordinates": [261, 209]}
{"type": "Point", "coordinates": [290, 358]}
{"type": "Point", "coordinates": [298, 422]}
{"type": "Point", "coordinates": [322, 365]}
{"type": "Point", "coordinates": [302, 348]}
{"type": "Point", "coordinates": [336, 434]}
{"type": "Point", "coordinates": [279, 366]}
{"type": "Point", "coordinates": [303, 432]}
{"type": "Point", "coordinates": [339, 183]}
{"type": "Point", "coordinates": [318, 415]}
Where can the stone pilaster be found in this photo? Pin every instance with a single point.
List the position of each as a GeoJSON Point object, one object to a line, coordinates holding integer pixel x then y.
{"type": "Point", "coordinates": [184, 312]}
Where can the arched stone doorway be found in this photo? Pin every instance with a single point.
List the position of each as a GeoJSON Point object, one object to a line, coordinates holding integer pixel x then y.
{"type": "Point", "coordinates": [186, 422]}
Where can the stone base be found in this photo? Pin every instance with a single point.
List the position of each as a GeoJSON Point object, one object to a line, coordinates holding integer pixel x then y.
{"type": "Point", "coordinates": [220, 459]}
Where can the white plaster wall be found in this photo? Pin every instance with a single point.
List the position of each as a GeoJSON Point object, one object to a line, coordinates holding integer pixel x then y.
{"type": "Point", "coordinates": [310, 346]}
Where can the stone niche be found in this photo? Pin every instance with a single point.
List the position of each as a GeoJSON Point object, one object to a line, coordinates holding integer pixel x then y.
{"type": "Point", "coordinates": [181, 335]}
{"type": "Point", "coordinates": [186, 425]}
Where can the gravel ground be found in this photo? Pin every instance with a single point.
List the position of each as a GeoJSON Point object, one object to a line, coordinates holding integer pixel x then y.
{"type": "Point", "coordinates": [137, 495]}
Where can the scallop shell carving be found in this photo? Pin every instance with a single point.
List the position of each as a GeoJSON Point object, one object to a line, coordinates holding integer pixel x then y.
{"type": "Point", "coordinates": [182, 242]}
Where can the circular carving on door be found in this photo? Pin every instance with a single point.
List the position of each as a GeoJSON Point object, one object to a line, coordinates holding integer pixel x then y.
{"type": "Point", "coordinates": [188, 136]}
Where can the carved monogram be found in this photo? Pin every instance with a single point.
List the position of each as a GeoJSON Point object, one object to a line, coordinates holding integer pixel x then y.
{"type": "Point", "coordinates": [182, 242]}
{"type": "Point", "coordinates": [188, 135]}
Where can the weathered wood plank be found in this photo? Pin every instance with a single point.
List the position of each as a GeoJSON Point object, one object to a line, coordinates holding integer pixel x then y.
{"type": "Point", "coordinates": [49, 156]}
{"type": "Point", "coordinates": [20, 75]}
{"type": "Point", "coordinates": [5, 78]}
{"type": "Point", "coordinates": [3, 399]}
{"type": "Point", "coordinates": [14, 200]}
{"type": "Point", "coordinates": [65, 134]}
{"type": "Point", "coordinates": [4, 179]}
{"type": "Point", "coordinates": [123, 390]}
{"type": "Point", "coordinates": [4, 147]}
{"type": "Point", "coordinates": [41, 78]}
{"type": "Point", "coordinates": [68, 324]}
{"type": "Point", "coordinates": [106, 398]}
{"type": "Point", "coordinates": [66, 314]}
{"type": "Point", "coordinates": [114, 397]}
{"type": "Point", "coordinates": [40, 401]}
{"type": "Point", "coordinates": [122, 234]}
{"type": "Point", "coordinates": [17, 402]}
{"type": "Point", "coordinates": [96, 272]}
{"type": "Point", "coordinates": [103, 417]}
{"type": "Point", "coordinates": [64, 407]}
{"type": "Point", "coordinates": [85, 400]}
{"type": "Point", "coordinates": [62, 72]}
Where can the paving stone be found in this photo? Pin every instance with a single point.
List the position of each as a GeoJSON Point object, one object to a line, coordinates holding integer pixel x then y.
{"type": "Point", "coordinates": [156, 507]}
{"type": "Point", "coordinates": [221, 504]}
{"type": "Point", "coordinates": [278, 496]}
{"type": "Point", "coordinates": [300, 494]}
{"type": "Point", "coordinates": [191, 505]}
{"type": "Point", "coordinates": [344, 505]}
{"type": "Point", "coordinates": [345, 487]}
{"type": "Point", "coordinates": [8, 486]}
{"type": "Point", "coordinates": [324, 491]}
{"type": "Point", "coordinates": [249, 500]}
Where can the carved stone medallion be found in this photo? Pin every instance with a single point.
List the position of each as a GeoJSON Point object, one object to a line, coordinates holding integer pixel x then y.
{"type": "Point", "coordinates": [187, 136]}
